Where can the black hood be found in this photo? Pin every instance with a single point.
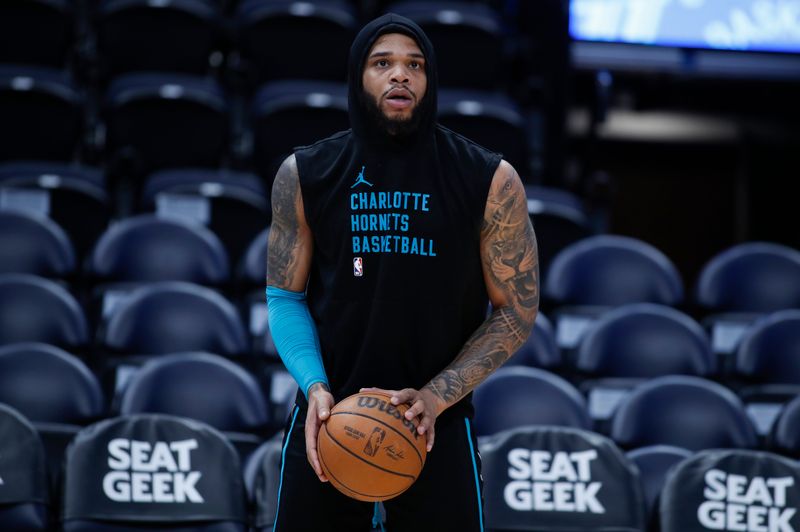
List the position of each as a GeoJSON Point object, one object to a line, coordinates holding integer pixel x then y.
{"type": "Point", "coordinates": [364, 127]}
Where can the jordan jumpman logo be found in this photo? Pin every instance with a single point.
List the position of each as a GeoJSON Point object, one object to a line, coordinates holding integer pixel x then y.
{"type": "Point", "coordinates": [360, 179]}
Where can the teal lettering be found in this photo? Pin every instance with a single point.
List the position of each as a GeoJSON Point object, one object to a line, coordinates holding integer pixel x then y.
{"type": "Point", "coordinates": [354, 227]}
{"type": "Point", "coordinates": [414, 247]}
{"type": "Point", "coordinates": [425, 198]}
{"type": "Point", "coordinates": [356, 245]}
{"type": "Point", "coordinates": [404, 245]}
{"type": "Point", "coordinates": [404, 223]}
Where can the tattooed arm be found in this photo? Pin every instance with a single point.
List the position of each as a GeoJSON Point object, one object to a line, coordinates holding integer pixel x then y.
{"type": "Point", "coordinates": [288, 264]}
{"type": "Point", "coordinates": [511, 273]}
{"type": "Point", "coordinates": [290, 243]}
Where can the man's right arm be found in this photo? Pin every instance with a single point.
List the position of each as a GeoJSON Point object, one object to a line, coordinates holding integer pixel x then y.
{"type": "Point", "coordinates": [288, 263]}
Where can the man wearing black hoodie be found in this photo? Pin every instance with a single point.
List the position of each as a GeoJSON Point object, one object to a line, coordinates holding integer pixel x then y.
{"type": "Point", "coordinates": [387, 242]}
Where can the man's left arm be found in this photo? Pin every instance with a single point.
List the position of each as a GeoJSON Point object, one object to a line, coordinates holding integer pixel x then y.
{"type": "Point", "coordinates": [511, 273]}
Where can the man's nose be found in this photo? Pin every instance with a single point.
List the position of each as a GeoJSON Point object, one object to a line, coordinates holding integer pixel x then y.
{"type": "Point", "coordinates": [400, 75]}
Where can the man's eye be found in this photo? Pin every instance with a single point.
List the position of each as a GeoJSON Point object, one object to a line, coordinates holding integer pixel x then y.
{"type": "Point", "coordinates": [383, 63]}
{"type": "Point", "coordinates": [415, 65]}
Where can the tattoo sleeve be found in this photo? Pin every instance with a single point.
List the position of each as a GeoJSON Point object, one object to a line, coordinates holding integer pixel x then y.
{"type": "Point", "coordinates": [511, 273]}
{"type": "Point", "coordinates": [289, 248]}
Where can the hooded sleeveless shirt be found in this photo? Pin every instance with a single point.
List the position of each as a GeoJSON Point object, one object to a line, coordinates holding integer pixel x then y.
{"type": "Point", "coordinates": [396, 286]}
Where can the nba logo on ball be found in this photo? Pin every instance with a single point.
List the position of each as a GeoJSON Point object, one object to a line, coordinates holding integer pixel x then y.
{"type": "Point", "coordinates": [358, 267]}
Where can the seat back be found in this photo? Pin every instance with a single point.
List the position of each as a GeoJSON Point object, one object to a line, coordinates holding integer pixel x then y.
{"type": "Point", "coordinates": [150, 472]}
{"type": "Point", "coordinates": [612, 270]}
{"type": "Point", "coordinates": [645, 340]}
{"type": "Point", "coordinates": [785, 435]}
{"type": "Point", "coordinates": [559, 479]}
{"type": "Point", "coordinates": [223, 394]}
{"type": "Point", "coordinates": [751, 277]}
{"type": "Point", "coordinates": [49, 385]}
{"type": "Point", "coordinates": [770, 350]}
{"type": "Point", "coordinates": [731, 490]}
{"type": "Point", "coordinates": [517, 396]}
{"type": "Point", "coordinates": [655, 462]}
{"type": "Point", "coordinates": [24, 496]}
{"type": "Point", "coordinates": [33, 309]}
{"type": "Point", "coordinates": [683, 411]}
{"type": "Point", "coordinates": [147, 248]}
{"type": "Point", "coordinates": [174, 317]}
{"type": "Point", "coordinates": [34, 244]}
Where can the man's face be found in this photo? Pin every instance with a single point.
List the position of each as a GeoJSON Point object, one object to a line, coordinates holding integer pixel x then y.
{"type": "Point", "coordinates": [394, 79]}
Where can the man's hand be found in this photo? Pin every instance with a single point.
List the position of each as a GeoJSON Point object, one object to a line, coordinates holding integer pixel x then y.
{"type": "Point", "coordinates": [423, 404]}
{"type": "Point", "coordinates": [320, 402]}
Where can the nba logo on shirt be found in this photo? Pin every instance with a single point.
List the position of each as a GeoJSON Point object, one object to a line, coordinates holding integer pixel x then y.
{"type": "Point", "coordinates": [358, 267]}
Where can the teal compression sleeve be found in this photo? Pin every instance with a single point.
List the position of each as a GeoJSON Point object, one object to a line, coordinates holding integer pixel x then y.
{"type": "Point", "coordinates": [295, 336]}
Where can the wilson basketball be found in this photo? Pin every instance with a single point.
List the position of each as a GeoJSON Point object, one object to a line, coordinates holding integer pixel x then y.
{"type": "Point", "coordinates": [368, 449]}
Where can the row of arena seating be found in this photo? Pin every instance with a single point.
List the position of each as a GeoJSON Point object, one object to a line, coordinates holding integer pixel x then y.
{"type": "Point", "coordinates": [139, 105]}
{"type": "Point", "coordinates": [679, 472]}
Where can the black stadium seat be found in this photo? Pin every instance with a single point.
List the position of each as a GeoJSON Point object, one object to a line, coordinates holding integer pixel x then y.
{"type": "Point", "coordinates": [655, 462]}
{"type": "Point", "coordinates": [161, 121]}
{"type": "Point", "coordinates": [24, 495]}
{"type": "Point", "coordinates": [636, 342]}
{"type": "Point", "coordinates": [148, 248]}
{"type": "Point", "coordinates": [181, 35]}
{"type": "Point", "coordinates": [233, 205]}
{"type": "Point", "coordinates": [36, 32]}
{"type": "Point", "coordinates": [222, 394]}
{"type": "Point", "coordinates": [731, 490]}
{"type": "Point", "coordinates": [285, 114]}
{"type": "Point", "coordinates": [34, 244]}
{"type": "Point", "coordinates": [516, 396]}
{"type": "Point", "coordinates": [751, 277]}
{"type": "Point", "coordinates": [152, 472]}
{"type": "Point", "coordinates": [262, 479]}
{"type": "Point", "coordinates": [559, 479]}
{"type": "Point", "coordinates": [33, 309]}
{"type": "Point", "coordinates": [491, 119]}
{"type": "Point", "coordinates": [265, 27]}
{"type": "Point", "coordinates": [683, 411]}
{"type": "Point", "coordinates": [785, 434]}
{"type": "Point", "coordinates": [47, 384]}
{"type": "Point", "coordinates": [31, 97]}
{"type": "Point", "coordinates": [73, 196]}
{"type": "Point", "coordinates": [769, 353]}
{"type": "Point", "coordinates": [172, 317]}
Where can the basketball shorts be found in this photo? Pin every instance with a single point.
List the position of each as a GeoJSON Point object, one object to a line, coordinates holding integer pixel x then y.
{"type": "Point", "coordinates": [448, 495]}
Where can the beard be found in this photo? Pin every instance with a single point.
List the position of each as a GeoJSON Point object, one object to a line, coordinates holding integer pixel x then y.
{"type": "Point", "coordinates": [398, 128]}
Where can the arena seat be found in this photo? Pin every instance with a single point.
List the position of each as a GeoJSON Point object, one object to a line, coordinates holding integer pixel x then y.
{"type": "Point", "coordinates": [73, 196]}
{"type": "Point", "coordinates": [233, 205]}
{"type": "Point", "coordinates": [263, 27]}
{"type": "Point", "coordinates": [540, 349]}
{"type": "Point", "coordinates": [655, 462]}
{"type": "Point", "coordinates": [148, 248]}
{"type": "Point", "coordinates": [784, 437]}
{"type": "Point", "coordinates": [285, 114]}
{"type": "Point", "coordinates": [491, 119]}
{"type": "Point", "coordinates": [166, 121]}
{"type": "Point", "coordinates": [767, 364]}
{"type": "Point", "coordinates": [731, 489]}
{"type": "Point", "coordinates": [152, 472]}
{"type": "Point", "coordinates": [635, 342]}
{"type": "Point", "coordinates": [222, 393]}
{"type": "Point", "coordinates": [683, 411]}
{"type": "Point", "coordinates": [181, 35]}
{"type": "Point", "coordinates": [261, 479]}
{"type": "Point", "coordinates": [33, 309]}
{"type": "Point", "coordinates": [516, 396]}
{"type": "Point", "coordinates": [24, 493]}
{"type": "Point", "coordinates": [47, 384]}
{"type": "Point", "coordinates": [559, 479]}
{"type": "Point", "coordinates": [36, 32]}
{"type": "Point", "coordinates": [751, 277]}
{"type": "Point", "coordinates": [30, 97]}
{"type": "Point", "coordinates": [32, 243]}
{"type": "Point", "coordinates": [603, 271]}
{"type": "Point", "coordinates": [464, 34]}
{"type": "Point", "coordinates": [172, 317]}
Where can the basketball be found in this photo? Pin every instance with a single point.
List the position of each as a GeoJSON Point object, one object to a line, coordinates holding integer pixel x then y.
{"type": "Point", "coordinates": [368, 449]}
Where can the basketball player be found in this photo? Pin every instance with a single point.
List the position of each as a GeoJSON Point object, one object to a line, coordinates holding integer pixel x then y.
{"type": "Point", "coordinates": [387, 241]}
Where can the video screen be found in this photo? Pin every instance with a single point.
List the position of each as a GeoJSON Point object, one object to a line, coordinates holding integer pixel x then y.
{"type": "Point", "coordinates": [745, 25]}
